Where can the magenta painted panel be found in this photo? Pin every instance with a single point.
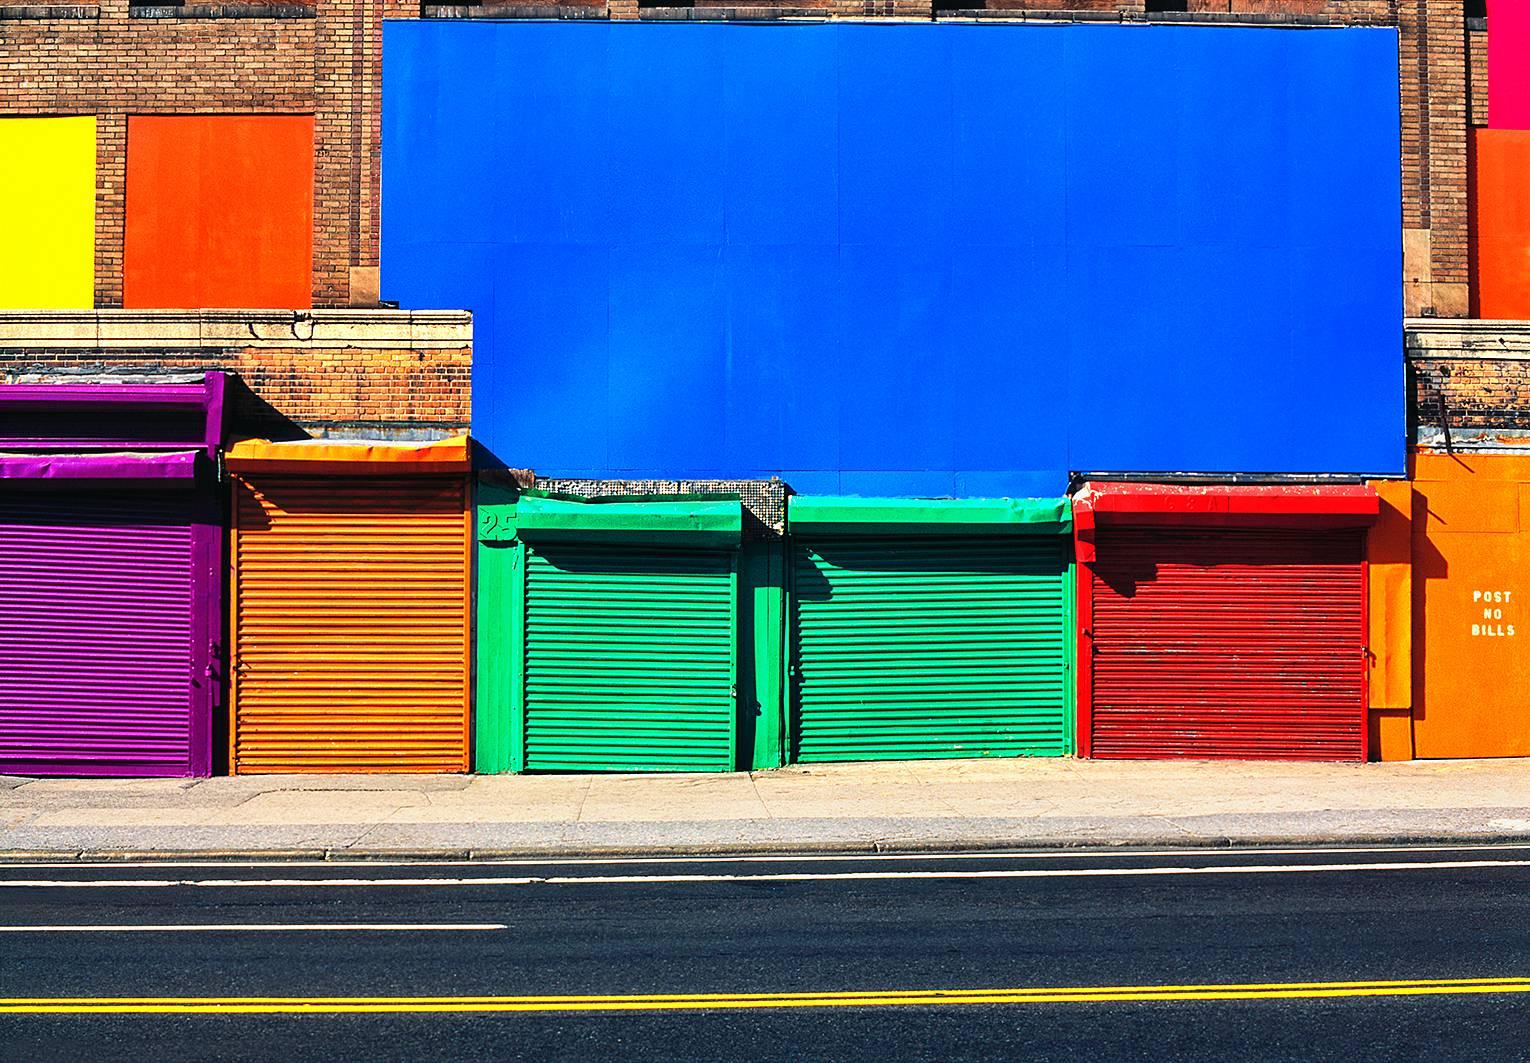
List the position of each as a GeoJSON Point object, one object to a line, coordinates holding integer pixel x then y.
{"type": "Point", "coordinates": [161, 468]}
{"type": "Point", "coordinates": [110, 599]}
{"type": "Point", "coordinates": [105, 647]}
{"type": "Point", "coordinates": [1509, 64]}
{"type": "Point", "coordinates": [113, 416]}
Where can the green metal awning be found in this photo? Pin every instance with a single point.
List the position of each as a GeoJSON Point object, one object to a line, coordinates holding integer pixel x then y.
{"type": "Point", "coordinates": [711, 521]}
{"type": "Point", "coordinates": [847, 515]}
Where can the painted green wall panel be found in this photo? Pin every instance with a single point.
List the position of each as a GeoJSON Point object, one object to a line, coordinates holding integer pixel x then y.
{"type": "Point", "coordinates": [630, 658]}
{"type": "Point", "coordinates": [700, 522]}
{"type": "Point", "coordinates": [496, 631]}
{"type": "Point", "coordinates": [849, 515]}
{"type": "Point", "coordinates": [762, 665]}
{"type": "Point", "coordinates": [906, 648]}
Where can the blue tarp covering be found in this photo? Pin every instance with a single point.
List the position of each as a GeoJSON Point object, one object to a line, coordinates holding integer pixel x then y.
{"type": "Point", "coordinates": [907, 259]}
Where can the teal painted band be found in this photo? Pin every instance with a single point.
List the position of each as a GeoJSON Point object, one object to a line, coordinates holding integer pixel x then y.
{"type": "Point", "coordinates": [693, 523]}
{"type": "Point", "coordinates": [847, 515]}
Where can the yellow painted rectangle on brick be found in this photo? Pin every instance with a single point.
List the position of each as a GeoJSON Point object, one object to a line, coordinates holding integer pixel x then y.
{"type": "Point", "coordinates": [47, 213]}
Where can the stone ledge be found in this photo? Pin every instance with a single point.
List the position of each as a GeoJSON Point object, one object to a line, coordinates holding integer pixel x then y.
{"type": "Point", "coordinates": [32, 12]}
{"type": "Point", "coordinates": [1511, 440]}
{"type": "Point", "coordinates": [1200, 18]}
{"type": "Point", "coordinates": [733, 14]}
{"type": "Point", "coordinates": [1020, 14]}
{"type": "Point", "coordinates": [1468, 339]}
{"type": "Point", "coordinates": [199, 329]}
{"type": "Point", "coordinates": [514, 11]}
{"type": "Point", "coordinates": [190, 11]}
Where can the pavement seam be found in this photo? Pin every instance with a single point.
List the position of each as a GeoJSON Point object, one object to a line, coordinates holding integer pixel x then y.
{"type": "Point", "coordinates": [996, 845]}
{"type": "Point", "coordinates": [589, 784]}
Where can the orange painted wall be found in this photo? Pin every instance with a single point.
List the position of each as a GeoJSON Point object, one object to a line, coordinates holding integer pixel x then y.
{"type": "Point", "coordinates": [219, 211]}
{"type": "Point", "coordinates": [1471, 600]}
{"type": "Point", "coordinates": [1389, 549]}
{"type": "Point", "coordinates": [1500, 209]}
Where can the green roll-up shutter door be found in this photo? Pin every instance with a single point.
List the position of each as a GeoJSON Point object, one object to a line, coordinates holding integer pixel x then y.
{"type": "Point", "coordinates": [906, 648]}
{"type": "Point", "coordinates": [629, 658]}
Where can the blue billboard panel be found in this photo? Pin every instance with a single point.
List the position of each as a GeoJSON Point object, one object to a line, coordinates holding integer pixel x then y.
{"type": "Point", "coordinates": [907, 259]}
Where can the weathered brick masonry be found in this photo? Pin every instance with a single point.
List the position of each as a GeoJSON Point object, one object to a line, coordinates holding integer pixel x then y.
{"type": "Point", "coordinates": [1477, 87]}
{"type": "Point", "coordinates": [1438, 87]}
{"type": "Point", "coordinates": [1470, 383]}
{"type": "Point", "coordinates": [371, 373]}
{"type": "Point", "coordinates": [112, 60]}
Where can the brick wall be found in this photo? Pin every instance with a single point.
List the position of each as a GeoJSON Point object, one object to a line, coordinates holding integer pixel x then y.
{"type": "Point", "coordinates": [1474, 379]}
{"type": "Point", "coordinates": [1438, 84]}
{"type": "Point", "coordinates": [326, 60]}
{"type": "Point", "coordinates": [1432, 53]}
{"type": "Point", "coordinates": [1477, 86]}
{"type": "Point", "coordinates": [369, 373]}
{"type": "Point", "coordinates": [104, 60]}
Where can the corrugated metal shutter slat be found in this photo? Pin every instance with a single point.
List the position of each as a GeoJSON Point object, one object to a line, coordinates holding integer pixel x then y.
{"type": "Point", "coordinates": [1229, 644]}
{"type": "Point", "coordinates": [907, 648]}
{"type": "Point", "coordinates": [350, 624]}
{"type": "Point", "coordinates": [629, 659]}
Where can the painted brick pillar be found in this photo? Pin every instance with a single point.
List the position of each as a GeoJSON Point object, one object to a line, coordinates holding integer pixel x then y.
{"type": "Point", "coordinates": [347, 148]}
{"type": "Point", "coordinates": [111, 200]}
{"type": "Point", "coordinates": [1432, 54]}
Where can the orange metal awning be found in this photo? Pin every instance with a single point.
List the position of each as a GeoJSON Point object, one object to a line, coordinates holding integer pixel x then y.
{"type": "Point", "coordinates": [366, 457]}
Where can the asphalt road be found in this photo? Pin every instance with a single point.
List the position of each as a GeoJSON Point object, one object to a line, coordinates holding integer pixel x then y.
{"type": "Point", "coordinates": [1055, 956]}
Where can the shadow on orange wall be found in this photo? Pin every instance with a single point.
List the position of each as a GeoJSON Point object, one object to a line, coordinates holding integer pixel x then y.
{"type": "Point", "coordinates": [1389, 552]}
{"type": "Point", "coordinates": [219, 211]}
{"type": "Point", "coordinates": [1471, 622]}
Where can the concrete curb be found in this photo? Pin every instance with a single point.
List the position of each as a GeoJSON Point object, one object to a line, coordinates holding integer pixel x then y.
{"type": "Point", "coordinates": [725, 849]}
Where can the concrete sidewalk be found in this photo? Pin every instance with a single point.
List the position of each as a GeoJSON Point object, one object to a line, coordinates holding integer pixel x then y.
{"type": "Point", "coordinates": [918, 805]}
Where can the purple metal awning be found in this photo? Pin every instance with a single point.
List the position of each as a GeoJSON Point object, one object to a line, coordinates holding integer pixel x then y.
{"type": "Point", "coordinates": [73, 404]}
{"type": "Point", "coordinates": [168, 468]}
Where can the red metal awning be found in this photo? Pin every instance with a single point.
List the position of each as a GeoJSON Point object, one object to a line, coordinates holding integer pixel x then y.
{"type": "Point", "coordinates": [1237, 506]}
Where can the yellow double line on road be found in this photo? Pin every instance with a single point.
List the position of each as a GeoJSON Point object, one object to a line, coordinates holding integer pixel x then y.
{"type": "Point", "coordinates": [733, 1001]}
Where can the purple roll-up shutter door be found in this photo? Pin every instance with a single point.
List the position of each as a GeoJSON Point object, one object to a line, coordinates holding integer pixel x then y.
{"type": "Point", "coordinates": [99, 632]}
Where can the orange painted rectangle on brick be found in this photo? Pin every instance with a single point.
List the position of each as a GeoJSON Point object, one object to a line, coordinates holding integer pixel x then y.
{"type": "Point", "coordinates": [1500, 206]}
{"type": "Point", "coordinates": [1471, 573]}
{"type": "Point", "coordinates": [219, 211]}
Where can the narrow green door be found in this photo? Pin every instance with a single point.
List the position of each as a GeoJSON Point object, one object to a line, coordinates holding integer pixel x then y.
{"type": "Point", "coordinates": [629, 658]}
{"type": "Point", "coordinates": [931, 647]}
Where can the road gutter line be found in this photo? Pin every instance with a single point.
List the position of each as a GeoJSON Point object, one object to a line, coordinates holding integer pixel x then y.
{"type": "Point", "coordinates": [803, 876]}
{"type": "Point", "coordinates": [255, 860]}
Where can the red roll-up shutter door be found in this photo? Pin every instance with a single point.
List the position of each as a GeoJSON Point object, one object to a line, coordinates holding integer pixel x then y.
{"type": "Point", "coordinates": [96, 601]}
{"type": "Point", "coordinates": [1239, 644]}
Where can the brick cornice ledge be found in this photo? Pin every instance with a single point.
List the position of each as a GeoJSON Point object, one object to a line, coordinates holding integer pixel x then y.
{"type": "Point", "coordinates": [223, 329]}
{"type": "Point", "coordinates": [45, 12]}
{"type": "Point", "coordinates": [1463, 338]}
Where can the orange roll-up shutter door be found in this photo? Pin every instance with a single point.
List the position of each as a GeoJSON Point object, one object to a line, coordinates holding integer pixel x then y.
{"type": "Point", "coordinates": [350, 636]}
